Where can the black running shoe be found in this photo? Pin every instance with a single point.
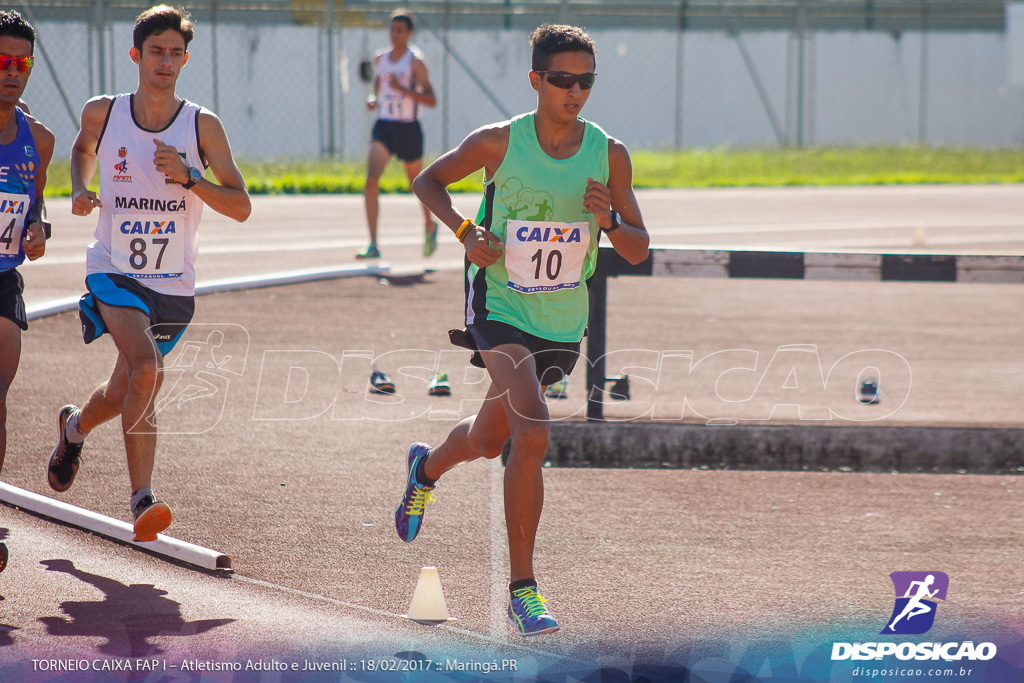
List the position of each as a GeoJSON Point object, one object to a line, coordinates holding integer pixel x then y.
{"type": "Point", "coordinates": [66, 456]}
{"type": "Point", "coordinates": [4, 555]}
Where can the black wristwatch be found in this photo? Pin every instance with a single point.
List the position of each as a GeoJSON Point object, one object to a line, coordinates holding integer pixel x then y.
{"type": "Point", "coordinates": [615, 222]}
{"type": "Point", "coordinates": [194, 176]}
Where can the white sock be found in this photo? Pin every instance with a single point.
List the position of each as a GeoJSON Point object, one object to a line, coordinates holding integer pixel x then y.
{"type": "Point", "coordinates": [139, 495]}
{"type": "Point", "coordinates": [72, 431]}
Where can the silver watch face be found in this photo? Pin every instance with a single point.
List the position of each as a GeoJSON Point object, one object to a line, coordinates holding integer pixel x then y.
{"type": "Point", "coordinates": [194, 175]}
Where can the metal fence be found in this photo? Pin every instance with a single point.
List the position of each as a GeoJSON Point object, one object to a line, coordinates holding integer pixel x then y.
{"type": "Point", "coordinates": [284, 76]}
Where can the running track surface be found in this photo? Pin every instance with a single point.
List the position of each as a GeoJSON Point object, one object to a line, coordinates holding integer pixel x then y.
{"type": "Point", "coordinates": [305, 506]}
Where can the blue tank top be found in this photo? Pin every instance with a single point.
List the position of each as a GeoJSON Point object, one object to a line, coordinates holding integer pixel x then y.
{"type": "Point", "coordinates": [19, 162]}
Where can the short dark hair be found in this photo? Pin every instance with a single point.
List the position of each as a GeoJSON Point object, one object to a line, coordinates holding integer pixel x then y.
{"type": "Point", "coordinates": [162, 18]}
{"type": "Point", "coordinates": [550, 39]}
{"type": "Point", "coordinates": [14, 25]}
{"type": "Point", "coordinates": [403, 16]}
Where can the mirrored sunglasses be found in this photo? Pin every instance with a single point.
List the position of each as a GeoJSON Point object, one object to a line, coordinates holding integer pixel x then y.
{"type": "Point", "coordinates": [21, 63]}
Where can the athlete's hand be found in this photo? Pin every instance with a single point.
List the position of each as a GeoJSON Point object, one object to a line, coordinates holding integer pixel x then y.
{"type": "Point", "coordinates": [84, 202]}
{"type": "Point", "coordinates": [483, 248]}
{"type": "Point", "coordinates": [34, 241]}
{"type": "Point", "coordinates": [371, 102]}
{"type": "Point", "coordinates": [598, 201]}
{"type": "Point", "coordinates": [169, 162]}
{"type": "Point", "coordinates": [395, 84]}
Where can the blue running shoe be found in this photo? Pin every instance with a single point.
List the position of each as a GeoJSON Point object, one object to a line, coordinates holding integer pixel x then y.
{"type": "Point", "coordinates": [526, 611]}
{"type": "Point", "coordinates": [409, 513]}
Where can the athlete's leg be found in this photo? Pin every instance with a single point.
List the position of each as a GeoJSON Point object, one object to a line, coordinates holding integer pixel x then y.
{"type": "Point", "coordinates": [516, 408]}
{"type": "Point", "coordinates": [412, 169]}
{"type": "Point", "coordinates": [514, 372]}
{"type": "Point", "coordinates": [376, 162]}
{"type": "Point", "coordinates": [10, 355]}
{"type": "Point", "coordinates": [481, 436]}
{"type": "Point", "coordinates": [138, 371]}
{"type": "Point", "coordinates": [106, 401]}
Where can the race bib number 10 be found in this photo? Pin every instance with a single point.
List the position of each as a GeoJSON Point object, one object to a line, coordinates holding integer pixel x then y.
{"type": "Point", "coordinates": [545, 256]}
{"type": "Point", "coordinates": [148, 246]}
{"type": "Point", "coordinates": [12, 222]}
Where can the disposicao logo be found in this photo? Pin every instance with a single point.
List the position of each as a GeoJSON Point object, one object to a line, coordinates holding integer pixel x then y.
{"type": "Point", "coordinates": [913, 613]}
{"type": "Point", "coordinates": [916, 596]}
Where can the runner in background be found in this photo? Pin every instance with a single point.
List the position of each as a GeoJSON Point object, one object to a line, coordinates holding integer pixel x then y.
{"type": "Point", "coordinates": [400, 87]}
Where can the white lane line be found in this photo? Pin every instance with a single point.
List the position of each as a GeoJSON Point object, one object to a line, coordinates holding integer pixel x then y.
{"type": "Point", "coordinates": [499, 555]}
{"type": "Point", "coordinates": [264, 248]}
{"type": "Point", "coordinates": [384, 613]}
{"type": "Point", "coordinates": [871, 244]}
{"type": "Point", "coordinates": [848, 226]}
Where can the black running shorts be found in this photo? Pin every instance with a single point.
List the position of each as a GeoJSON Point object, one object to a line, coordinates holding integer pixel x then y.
{"type": "Point", "coordinates": [554, 359]}
{"type": "Point", "coordinates": [404, 139]}
{"type": "Point", "coordinates": [12, 305]}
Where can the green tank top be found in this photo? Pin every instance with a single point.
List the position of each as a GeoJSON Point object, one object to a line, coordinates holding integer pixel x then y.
{"type": "Point", "coordinates": [535, 206]}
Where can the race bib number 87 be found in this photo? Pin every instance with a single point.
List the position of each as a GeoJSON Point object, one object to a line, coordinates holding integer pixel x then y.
{"type": "Point", "coordinates": [545, 256]}
{"type": "Point", "coordinates": [148, 246]}
{"type": "Point", "coordinates": [12, 222]}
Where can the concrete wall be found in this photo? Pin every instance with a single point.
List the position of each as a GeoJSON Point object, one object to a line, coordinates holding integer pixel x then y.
{"type": "Point", "coordinates": [856, 87]}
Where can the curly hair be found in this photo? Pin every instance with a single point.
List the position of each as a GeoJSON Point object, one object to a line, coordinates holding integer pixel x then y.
{"type": "Point", "coordinates": [550, 39]}
{"type": "Point", "coordinates": [14, 25]}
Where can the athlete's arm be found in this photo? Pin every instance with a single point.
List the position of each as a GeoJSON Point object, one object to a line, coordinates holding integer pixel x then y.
{"type": "Point", "coordinates": [35, 239]}
{"type": "Point", "coordinates": [230, 197]}
{"type": "Point", "coordinates": [483, 148]}
{"type": "Point", "coordinates": [371, 99]}
{"type": "Point", "coordinates": [83, 155]}
{"type": "Point", "coordinates": [421, 92]}
{"type": "Point", "coordinates": [630, 239]}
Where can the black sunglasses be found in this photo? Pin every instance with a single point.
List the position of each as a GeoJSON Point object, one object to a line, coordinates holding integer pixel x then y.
{"type": "Point", "coordinates": [565, 81]}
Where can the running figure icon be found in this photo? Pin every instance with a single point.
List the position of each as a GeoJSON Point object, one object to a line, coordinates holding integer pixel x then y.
{"type": "Point", "coordinates": [916, 605]}
{"type": "Point", "coordinates": [917, 595]}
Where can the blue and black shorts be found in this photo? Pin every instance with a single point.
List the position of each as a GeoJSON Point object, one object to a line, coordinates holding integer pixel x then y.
{"type": "Point", "coordinates": [168, 315]}
{"type": "Point", "coordinates": [12, 305]}
{"type": "Point", "coordinates": [404, 139]}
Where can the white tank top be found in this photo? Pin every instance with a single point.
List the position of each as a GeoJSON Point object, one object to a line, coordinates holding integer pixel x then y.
{"type": "Point", "coordinates": [393, 105]}
{"type": "Point", "coordinates": [148, 224]}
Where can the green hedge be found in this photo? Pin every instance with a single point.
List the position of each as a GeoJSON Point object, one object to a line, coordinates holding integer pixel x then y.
{"type": "Point", "coordinates": [670, 169]}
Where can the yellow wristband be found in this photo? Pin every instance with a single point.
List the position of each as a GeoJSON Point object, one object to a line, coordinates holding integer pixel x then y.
{"type": "Point", "coordinates": [464, 229]}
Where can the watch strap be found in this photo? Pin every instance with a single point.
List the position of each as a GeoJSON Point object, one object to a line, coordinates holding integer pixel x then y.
{"type": "Point", "coordinates": [193, 177]}
{"type": "Point", "coordinates": [615, 222]}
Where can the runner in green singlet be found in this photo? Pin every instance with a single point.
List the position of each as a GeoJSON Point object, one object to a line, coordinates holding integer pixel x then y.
{"type": "Point", "coordinates": [554, 183]}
